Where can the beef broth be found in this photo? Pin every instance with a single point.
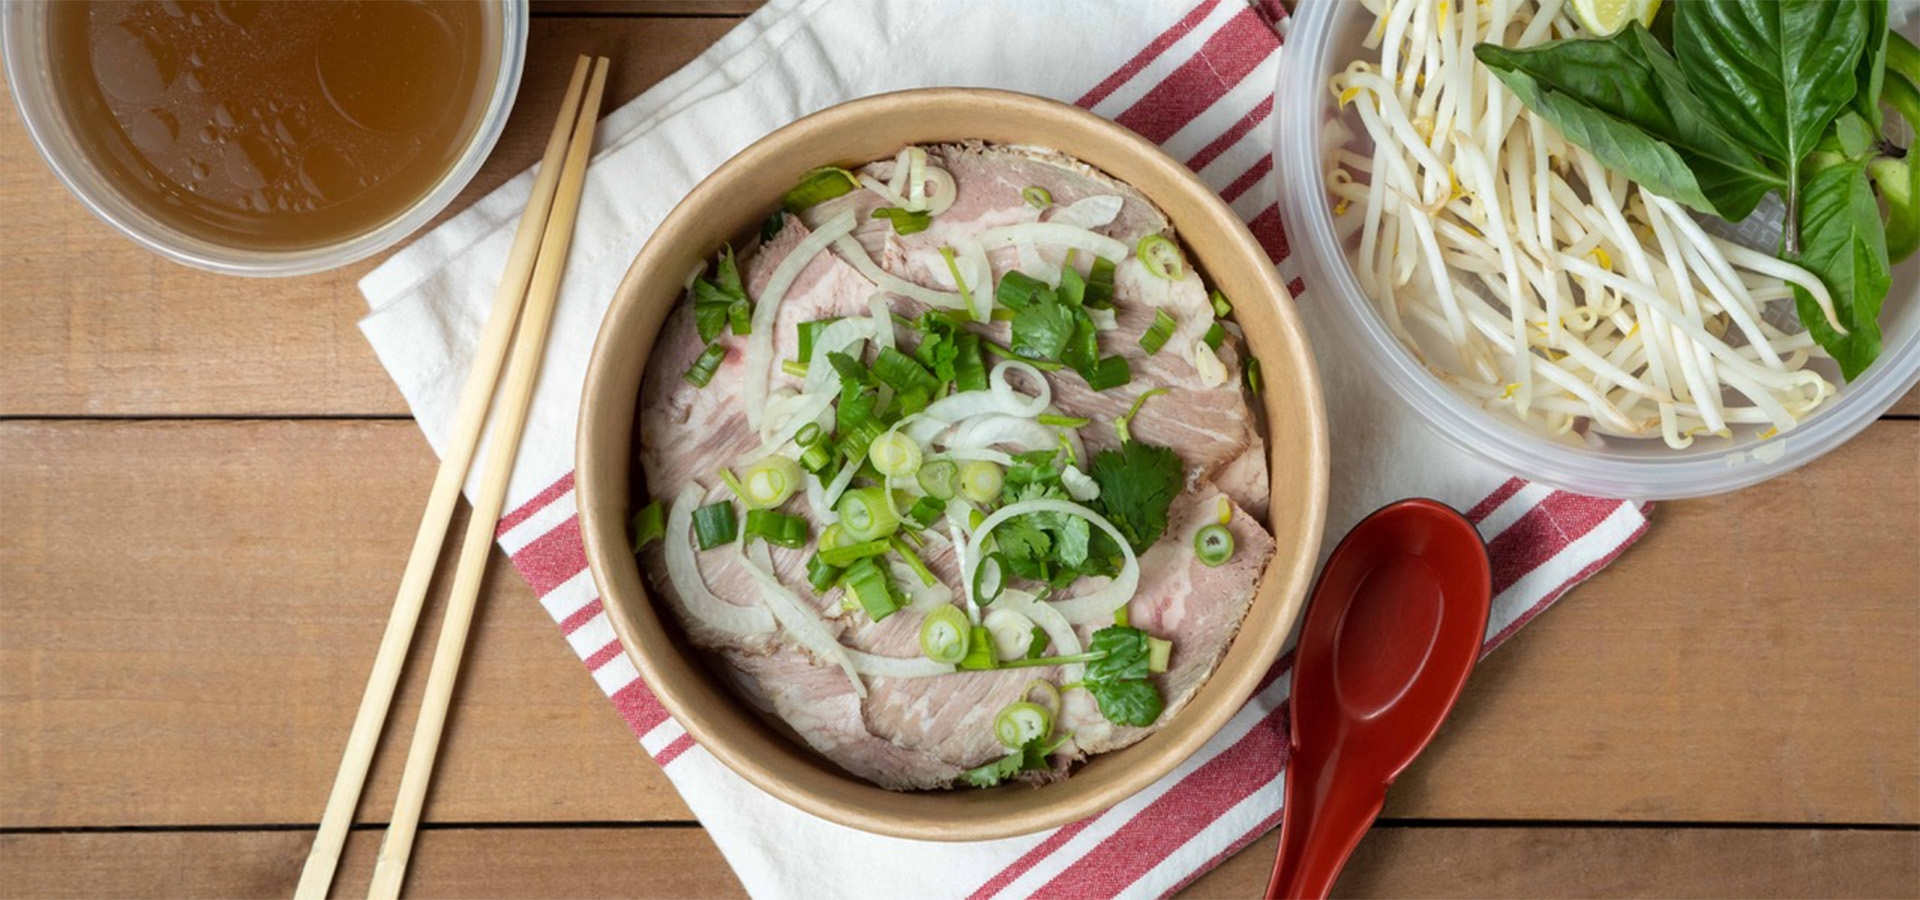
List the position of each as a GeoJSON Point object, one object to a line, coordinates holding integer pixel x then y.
{"type": "Point", "coordinates": [274, 125]}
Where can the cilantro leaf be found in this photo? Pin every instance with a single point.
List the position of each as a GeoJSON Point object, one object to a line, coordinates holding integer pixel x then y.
{"type": "Point", "coordinates": [1137, 484]}
{"type": "Point", "coordinates": [1042, 329]}
{"type": "Point", "coordinates": [1126, 654]}
{"type": "Point", "coordinates": [1071, 540]}
{"type": "Point", "coordinates": [1032, 757]}
{"type": "Point", "coordinates": [1131, 702]}
{"type": "Point", "coordinates": [720, 300]}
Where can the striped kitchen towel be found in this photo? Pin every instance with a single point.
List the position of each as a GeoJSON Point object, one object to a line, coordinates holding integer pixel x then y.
{"type": "Point", "coordinates": [1196, 77]}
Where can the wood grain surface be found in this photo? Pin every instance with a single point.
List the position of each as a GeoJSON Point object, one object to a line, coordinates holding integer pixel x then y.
{"type": "Point", "coordinates": [207, 486]}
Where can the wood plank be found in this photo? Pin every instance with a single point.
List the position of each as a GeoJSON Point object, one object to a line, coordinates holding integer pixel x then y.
{"type": "Point", "coordinates": [1488, 863]}
{"type": "Point", "coordinates": [90, 324]}
{"type": "Point", "coordinates": [185, 591]}
{"type": "Point", "coordinates": [645, 7]}
{"type": "Point", "coordinates": [683, 863]}
{"type": "Point", "coordinates": [178, 594]}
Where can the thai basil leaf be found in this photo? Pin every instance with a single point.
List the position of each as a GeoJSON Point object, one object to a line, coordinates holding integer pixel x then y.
{"type": "Point", "coordinates": [1844, 242]}
{"type": "Point", "coordinates": [1775, 71]}
{"type": "Point", "coordinates": [1625, 100]}
{"type": "Point", "coordinates": [1872, 72]}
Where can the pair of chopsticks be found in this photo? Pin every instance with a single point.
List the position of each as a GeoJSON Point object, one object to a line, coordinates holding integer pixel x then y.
{"type": "Point", "coordinates": [531, 280]}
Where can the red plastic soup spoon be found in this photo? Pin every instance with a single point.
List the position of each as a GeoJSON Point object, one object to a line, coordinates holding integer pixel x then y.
{"type": "Point", "coordinates": [1392, 631]}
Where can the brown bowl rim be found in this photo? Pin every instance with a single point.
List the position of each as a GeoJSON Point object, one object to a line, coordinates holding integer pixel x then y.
{"type": "Point", "coordinates": [604, 441]}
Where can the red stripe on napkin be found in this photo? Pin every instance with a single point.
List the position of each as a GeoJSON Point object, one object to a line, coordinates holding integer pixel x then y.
{"type": "Point", "coordinates": [1485, 508]}
{"type": "Point", "coordinates": [1031, 858]}
{"type": "Point", "coordinates": [1175, 817]}
{"type": "Point", "coordinates": [1212, 151]}
{"type": "Point", "coordinates": [1266, 229]}
{"type": "Point", "coordinates": [1247, 179]}
{"type": "Point", "coordinates": [539, 502]}
{"type": "Point", "coordinates": [580, 617]}
{"type": "Point", "coordinates": [1240, 45]}
{"type": "Point", "coordinates": [552, 558]}
{"type": "Point", "coordinates": [1146, 56]}
{"type": "Point", "coordinates": [1540, 535]}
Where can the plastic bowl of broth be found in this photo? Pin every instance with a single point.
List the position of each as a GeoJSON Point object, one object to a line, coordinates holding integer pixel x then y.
{"type": "Point", "coordinates": [265, 138]}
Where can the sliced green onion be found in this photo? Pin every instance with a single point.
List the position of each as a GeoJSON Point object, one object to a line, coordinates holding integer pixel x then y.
{"type": "Point", "coordinates": [850, 370]}
{"type": "Point", "coordinates": [1162, 257]}
{"type": "Point", "coordinates": [939, 478]}
{"type": "Point", "coordinates": [1037, 197]}
{"type": "Point", "coordinates": [1063, 421]}
{"type": "Point", "coordinates": [904, 221]}
{"type": "Point", "coordinates": [740, 317]}
{"type": "Point", "coordinates": [870, 586]}
{"type": "Point", "coordinates": [777, 528]}
{"type": "Point", "coordinates": [981, 481]}
{"type": "Point", "coordinates": [818, 186]}
{"type": "Point", "coordinates": [855, 440]}
{"type": "Point", "coordinates": [793, 368]}
{"type": "Point", "coordinates": [1012, 633]}
{"type": "Point", "coordinates": [807, 332]}
{"type": "Point", "coordinates": [966, 293]}
{"type": "Point", "coordinates": [969, 364]}
{"type": "Point", "coordinates": [1220, 305]}
{"type": "Point", "coordinates": [914, 562]}
{"type": "Point", "coordinates": [895, 455]}
{"type": "Point", "coordinates": [808, 435]}
{"type": "Point", "coordinates": [979, 650]}
{"type": "Point", "coordinates": [1099, 294]}
{"type": "Point", "coordinates": [1254, 382]}
{"type": "Point", "coordinates": [1120, 424]}
{"type": "Point", "coordinates": [926, 511]}
{"type": "Point", "coordinates": [1159, 332]}
{"type": "Point", "coordinates": [1213, 544]}
{"type": "Point", "coordinates": [1038, 648]}
{"type": "Point", "coordinates": [703, 367]}
{"type": "Point", "coordinates": [1018, 290]}
{"type": "Point", "coordinates": [1215, 336]}
{"type": "Point", "coordinates": [1158, 653]}
{"type": "Point", "coordinates": [988, 580]}
{"type": "Point", "coordinates": [714, 525]}
{"type": "Point", "coordinates": [768, 483]}
{"type": "Point", "coordinates": [1111, 372]}
{"type": "Point", "coordinates": [817, 457]}
{"type": "Point", "coordinates": [866, 514]}
{"type": "Point", "coordinates": [845, 555]}
{"type": "Point", "coordinates": [945, 635]}
{"type": "Point", "coordinates": [649, 525]}
{"type": "Point", "coordinates": [821, 575]}
{"type": "Point", "coordinates": [1123, 616]}
{"type": "Point", "coordinates": [1022, 722]}
{"type": "Point", "coordinates": [1049, 696]}
{"type": "Point", "coordinates": [833, 536]}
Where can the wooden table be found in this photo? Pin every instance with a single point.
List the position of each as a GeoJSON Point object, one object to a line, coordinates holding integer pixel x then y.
{"type": "Point", "coordinates": [207, 487]}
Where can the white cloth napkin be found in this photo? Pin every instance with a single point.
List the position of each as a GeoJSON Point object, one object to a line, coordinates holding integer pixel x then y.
{"type": "Point", "coordinates": [1198, 79]}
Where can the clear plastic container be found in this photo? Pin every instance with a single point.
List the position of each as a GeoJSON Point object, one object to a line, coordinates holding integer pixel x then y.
{"type": "Point", "coordinates": [23, 41]}
{"type": "Point", "coordinates": [1325, 36]}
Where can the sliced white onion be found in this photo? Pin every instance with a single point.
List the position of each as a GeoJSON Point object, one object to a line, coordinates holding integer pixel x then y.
{"type": "Point", "coordinates": [886, 191]}
{"type": "Point", "coordinates": [1104, 319]}
{"type": "Point", "coordinates": [978, 271]}
{"type": "Point", "coordinates": [1012, 632]}
{"type": "Point", "coordinates": [817, 504]}
{"type": "Point", "coordinates": [856, 256]}
{"type": "Point", "coordinates": [1029, 405]}
{"type": "Point", "coordinates": [841, 480]}
{"type": "Point", "coordinates": [882, 321]}
{"type": "Point", "coordinates": [1066, 642]}
{"type": "Point", "coordinates": [760, 343]}
{"type": "Point", "coordinates": [916, 179]}
{"type": "Point", "coordinates": [1213, 372]}
{"type": "Point", "coordinates": [1068, 236]}
{"type": "Point", "coordinates": [920, 597]}
{"type": "Point", "coordinates": [1080, 486]}
{"type": "Point", "coordinates": [683, 572]}
{"type": "Point", "coordinates": [1089, 212]}
{"type": "Point", "coordinates": [986, 431]}
{"type": "Point", "coordinates": [1093, 607]}
{"type": "Point", "coordinates": [897, 666]}
{"type": "Point", "coordinates": [940, 196]}
{"type": "Point", "coordinates": [801, 621]}
{"type": "Point", "coordinates": [822, 384]}
{"type": "Point", "coordinates": [900, 166]}
{"type": "Point", "coordinates": [969, 454]}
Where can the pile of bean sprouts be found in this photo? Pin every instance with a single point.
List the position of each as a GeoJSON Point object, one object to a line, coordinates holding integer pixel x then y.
{"type": "Point", "coordinates": [1530, 278]}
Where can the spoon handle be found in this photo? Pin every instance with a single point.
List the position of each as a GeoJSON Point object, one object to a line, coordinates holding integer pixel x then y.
{"type": "Point", "coordinates": [1325, 817]}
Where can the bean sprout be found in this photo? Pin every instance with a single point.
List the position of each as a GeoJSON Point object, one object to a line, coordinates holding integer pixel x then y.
{"type": "Point", "coordinates": [1524, 274]}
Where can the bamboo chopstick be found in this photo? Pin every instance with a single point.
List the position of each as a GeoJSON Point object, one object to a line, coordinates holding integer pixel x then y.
{"type": "Point", "coordinates": [516, 396]}
{"type": "Point", "coordinates": [469, 417]}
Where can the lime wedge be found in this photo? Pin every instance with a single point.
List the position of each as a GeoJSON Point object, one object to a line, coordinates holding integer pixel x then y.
{"type": "Point", "coordinates": [1605, 17]}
